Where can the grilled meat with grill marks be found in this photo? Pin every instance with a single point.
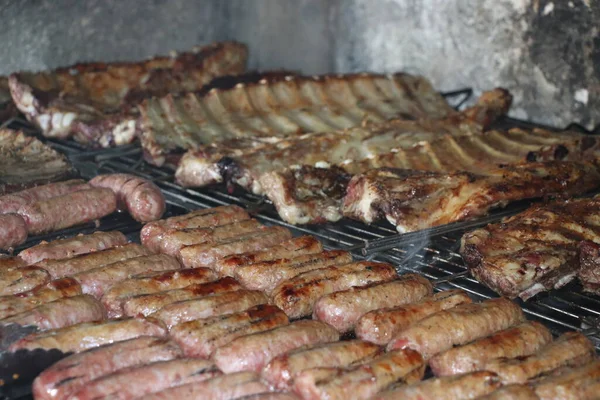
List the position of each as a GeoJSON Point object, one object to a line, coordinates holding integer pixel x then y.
{"type": "Point", "coordinates": [15, 280]}
{"type": "Point", "coordinates": [581, 383]}
{"type": "Point", "coordinates": [589, 271]}
{"type": "Point", "coordinates": [533, 251]}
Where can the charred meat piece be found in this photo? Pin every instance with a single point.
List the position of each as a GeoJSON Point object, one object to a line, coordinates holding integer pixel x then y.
{"type": "Point", "coordinates": [380, 326]}
{"type": "Point", "coordinates": [533, 251]}
{"type": "Point", "coordinates": [462, 324]}
{"type": "Point", "coordinates": [581, 383]}
{"type": "Point", "coordinates": [72, 373]}
{"type": "Point", "coordinates": [73, 246]}
{"type": "Point", "coordinates": [292, 248]}
{"type": "Point", "coordinates": [13, 202]}
{"type": "Point", "coordinates": [572, 349]}
{"type": "Point", "coordinates": [266, 275]}
{"type": "Point", "coordinates": [201, 337]}
{"type": "Point", "coordinates": [117, 295]}
{"type": "Point", "coordinates": [298, 295]}
{"type": "Point", "coordinates": [88, 335]}
{"type": "Point", "coordinates": [343, 309]}
{"type": "Point", "coordinates": [521, 340]}
{"type": "Point", "coordinates": [253, 352]}
{"type": "Point", "coordinates": [589, 271]}
{"type": "Point", "coordinates": [282, 370]}
{"type": "Point", "coordinates": [13, 230]}
{"type": "Point", "coordinates": [18, 280]}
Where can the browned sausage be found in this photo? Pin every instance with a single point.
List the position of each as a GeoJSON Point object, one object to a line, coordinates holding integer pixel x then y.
{"type": "Point", "coordinates": [12, 202]}
{"type": "Point", "coordinates": [18, 280]}
{"type": "Point", "coordinates": [581, 383]}
{"type": "Point", "coordinates": [512, 392]}
{"type": "Point", "coordinates": [141, 198]}
{"type": "Point", "coordinates": [13, 230]}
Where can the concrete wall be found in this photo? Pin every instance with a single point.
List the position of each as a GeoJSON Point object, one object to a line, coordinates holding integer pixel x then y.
{"type": "Point", "coordinates": [546, 52]}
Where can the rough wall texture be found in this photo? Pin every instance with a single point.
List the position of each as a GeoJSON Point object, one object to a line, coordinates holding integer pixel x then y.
{"type": "Point", "coordinates": [547, 52]}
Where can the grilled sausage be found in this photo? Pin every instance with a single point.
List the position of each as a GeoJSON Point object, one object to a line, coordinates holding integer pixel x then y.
{"type": "Point", "coordinates": [518, 341]}
{"type": "Point", "coordinates": [68, 210]}
{"type": "Point", "coordinates": [67, 248]}
{"type": "Point", "coordinates": [70, 374]}
{"type": "Point", "coordinates": [570, 350]}
{"type": "Point", "coordinates": [96, 281]}
{"type": "Point", "coordinates": [139, 381]}
{"type": "Point", "coordinates": [253, 352]}
{"type": "Point", "coordinates": [462, 324]}
{"type": "Point", "coordinates": [141, 198]}
{"type": "Point", "coordinates": [151, 233]}
{"type": "Point", "coordinates": [53, 290]}
{"type": "Point", "coordinates": [205, 255]}
{"type": "Point", "coordinates": [270, 396]}
{"type": "Point", "coordinates": [582, 383]}
{"type": "Point", "coordinates": [150, 303]}
{"type": "Point", "coordinates": [297, 296]}
{"type": "Point", "coordinates": [266, 275]}
{"type": "Point", "coordinates": [512, 392]}
{"type": "Point", "coordinates": [288, 249]}
{"type": "Point", "coordinates": [209, 306]}
{"type": "Point", "coordinates": [465, 386]}
{"type": "Point", "coordinates": [174, 240]}
{"type": "Point", "coordinates": [18, 280]}
{"type": "Point", "coordinates": [363, 381]}
{"type": "Point", "coordinates": [118, 294]}
{"type": "Point", "coordinates": [11, 203]}
{"type": "Point", "coordinates": [60, 313]}
{"type": "Point", "coordinates": [7, 262]}
{"type": "Point", "coordinates": [225, 387]}
{"type": "Point", "coordinates": [380, 326]}
{"type": "Point", "coordinates": [282, 370]}
{"type": "Point", "coordinates": [13, 231]}
{"type": "Point", "coordinates": [199, 338]}
{"type": "Point", "coordinates": [343, 309]}
{"type": "Point", "coordinates": [86, 262]}
{"type": "Point", "coordinates": [88, 335]}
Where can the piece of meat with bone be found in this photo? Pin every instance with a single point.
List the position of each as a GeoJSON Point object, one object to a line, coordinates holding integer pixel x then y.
{"type": "Point", "coordinates": [462, 324]}
{"type": "Point", "coordinates": [589, 271]}
{"type": "Point", "coordinates": [85, 262]}
{"type": "Point", "coordinates": [518, 341]}
{"type": "Point", "coordinates": [344, 308]}
{"type": "Point", "coordinates": [141, 380]}
{"type": "Point", "coordinates": [363, 381]}
{"type": "Point", "coordinates": [81, 337]}
{"type": "Point", "coordinates": [464, 386]}
{"type": "Point", "coordinates": [16, 280]}
{"type": "Point", "coordinates": [117, 295]}
{"type": "Point", "coordinates": [201, 337]}
{"type": "Point", "coordinates": [25, 301]}
{"type": "Point", "coordinates": [253, 352]}
{"type": "Point", "coordinates": [68, 210]}
{"type": "Point", "coordinates": [73, 246]}
{"type": "Point", "coordinates": [289, 249]}
{"type": "Point", "coordinates": [72, 373]}
{"type": "Point", "coordinates": [580, 383]}
{"type": "Point", "coordinates": [571, 349]}
{"type": "Point", "coordinates": [141, 198]}
{"type": "Point", "coordinates": [60, 313]}
{"type": "Point", "coordinates": [13, 202]}
{"type": "Point", "coordinates": [282, 370]}
{"type": "Point", "coordinates": [380, 326]}
{"type": "Point", "coordinates": [147, 304]}
{"type": "Point", "coordinates": [298, 295]}
{"type": "Point", "coordinates": [205, 255]}
{"type": "Point", "coordinates": [266, 275]}
{"type": "Point", "coordinates": [13, 231]}
{"type": "Point", "coordinates": [533, 251]}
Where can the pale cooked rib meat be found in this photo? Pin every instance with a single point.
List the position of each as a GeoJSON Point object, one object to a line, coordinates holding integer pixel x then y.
{"type": "Point", "coordinates": [53, 290]}
{"type": "Point", "coordinates": [15, 280]}
{"type": "Point", "coordinates": [518, 341]}
{"type": "Point", "coordinates": [462, 324]}
{"type": "Point", "coordinates": [380, 326]}
{"type": "Point", "coordinates": [199, 338]}
{"type": "Point", "coordinates": [118, 294]}
{"type": "Point", "coordinates": [342, 309]}
{"type": "Point", "coordinates": [581, 383]}
{"type": "Point", "coordinates": [589, 266]}
{"type": "Point", "coordinates": [465, 386]}
{"type": "Point", "coordinates": [97, 101]}
{"type": "Point", "coordinates": [571, 349]}
{"type": "Point", "coordinates": [73, 246]}
{"type": "Point", "coordinates": [298, 295]}
{"type": "Point", "coordinates": [147, 304]}
{"type": "Point", "coordinates": [266, 275]}
{"type": "Point", "coordinates": [533, 251]}
{"type": "Point", "coordinates": [295, 247]}
{"type": "Point", "coordinates": [88, 335]}
{"type": "Point", "coordinates": [253, 352]}
{"type": "Point", "coordinates": [282, 370]}
{"type": "Point", "coordinates": [72, 373]}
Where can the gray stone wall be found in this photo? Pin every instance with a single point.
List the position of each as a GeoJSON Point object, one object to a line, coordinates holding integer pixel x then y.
{"type": "Point", "coordinates": [546, 52]}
